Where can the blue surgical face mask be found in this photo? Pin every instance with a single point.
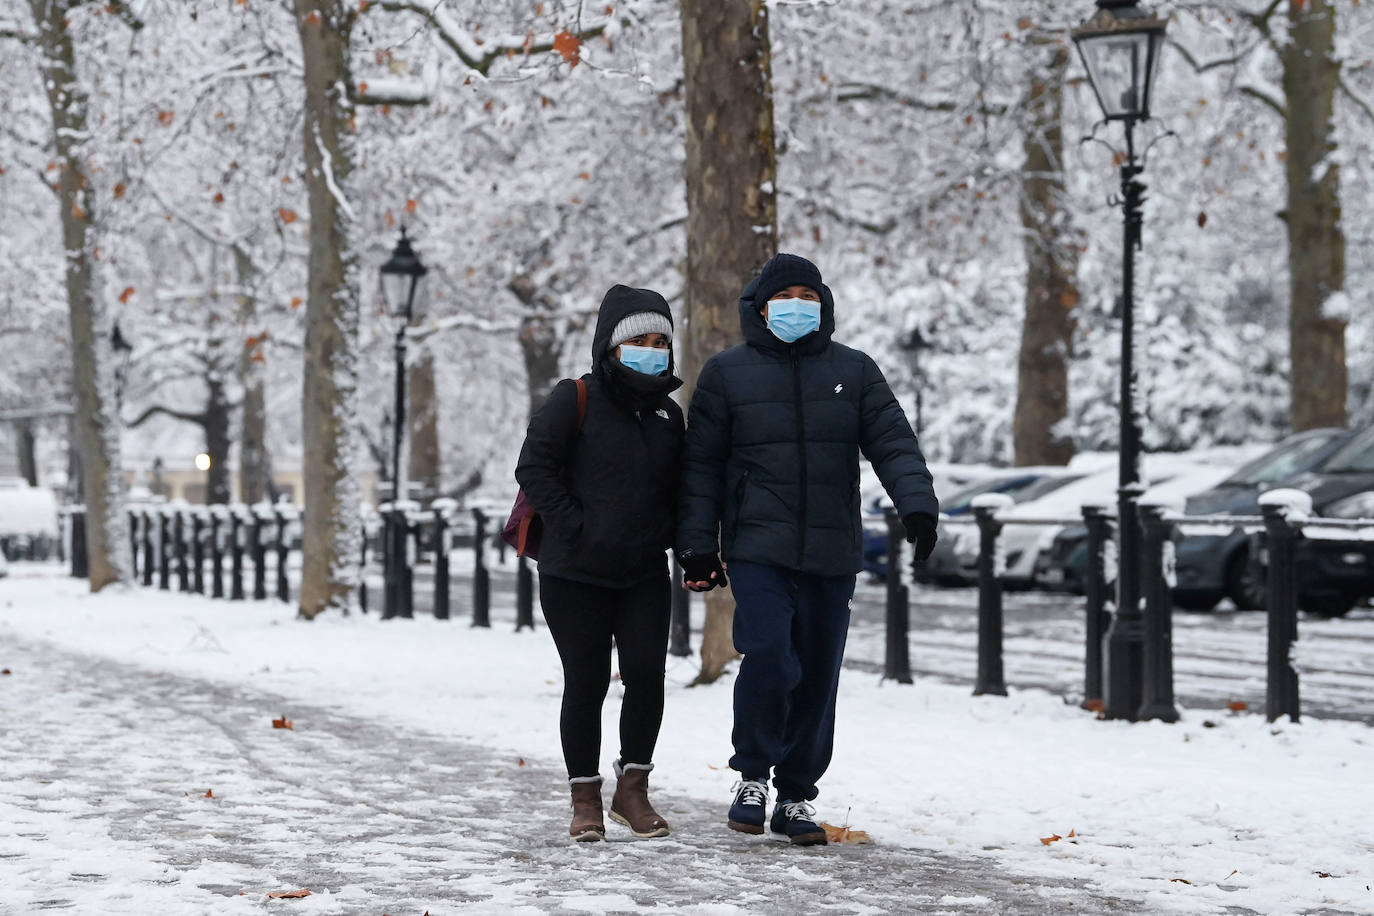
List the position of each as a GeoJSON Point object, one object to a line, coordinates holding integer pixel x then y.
{"type": "Point", "coordinates": [792, 319]}
{"type": "Point", "coordinates": [647, 360]}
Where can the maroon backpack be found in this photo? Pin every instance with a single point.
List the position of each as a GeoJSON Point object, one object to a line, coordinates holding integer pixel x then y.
{"type": "Point", "coordinates": [523, 529]}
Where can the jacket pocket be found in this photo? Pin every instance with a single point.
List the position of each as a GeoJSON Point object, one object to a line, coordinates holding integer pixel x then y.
{"type": "Point", "coordinates": [741, 492]}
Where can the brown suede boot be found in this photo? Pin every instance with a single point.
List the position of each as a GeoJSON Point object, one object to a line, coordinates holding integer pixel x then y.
{"type": "Point", "coordinates": [630, 804]}
{"type": "Point", "coordinates": [587, 825]}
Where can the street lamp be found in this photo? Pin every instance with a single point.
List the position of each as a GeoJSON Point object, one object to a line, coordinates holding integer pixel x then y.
{"type": "Point", "coordinates": [1120, 47]}
{"type": "Point", "coordinates": [401, 276]}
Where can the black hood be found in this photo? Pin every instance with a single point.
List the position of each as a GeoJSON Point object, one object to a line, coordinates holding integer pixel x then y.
{"type": "Point", "coordinates": [756, 332]}
{"type": "Point", "coordinates": [618, 303]}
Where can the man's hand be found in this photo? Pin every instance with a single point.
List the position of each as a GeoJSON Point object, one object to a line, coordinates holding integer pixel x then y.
{"type": "Point", "coordinates": [920, 530]}
{"type": "Point", "coordinates": [702, 572]}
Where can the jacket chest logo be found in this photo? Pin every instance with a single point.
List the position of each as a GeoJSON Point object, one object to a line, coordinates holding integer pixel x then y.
{"type": "Point", "coordinates": [839, 387]}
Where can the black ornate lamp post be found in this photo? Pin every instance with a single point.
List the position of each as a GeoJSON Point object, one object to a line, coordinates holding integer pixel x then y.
{"type": "Point", "coordinates": [1120, 47]}
{"type": "Point", "coordinates": [401, 276]}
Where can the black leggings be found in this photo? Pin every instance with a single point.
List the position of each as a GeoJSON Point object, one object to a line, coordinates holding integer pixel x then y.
{"type": "Point", "coordinates": [583, 620]}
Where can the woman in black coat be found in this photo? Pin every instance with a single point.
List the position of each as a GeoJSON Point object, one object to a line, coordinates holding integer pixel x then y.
{"type": "Point", "coordinates": [604, 481]}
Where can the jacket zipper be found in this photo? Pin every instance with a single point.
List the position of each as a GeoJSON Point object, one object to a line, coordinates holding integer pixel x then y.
{"type": "Point", "coordinates": [801, 451]}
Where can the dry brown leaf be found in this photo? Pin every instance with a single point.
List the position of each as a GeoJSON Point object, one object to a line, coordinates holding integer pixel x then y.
{"type": "Point", "coordinates": [1181, 881]}
{"type": "Point", "coordinates": [287, 216]}
{"type": "Point", "coordinates": [1072, 834]}
{"type": "Point", "coordinates": [846, 836]}
{"type": "Point", "coordinates": [290, 895]}
{"type": "Point", "coordinates": [1052, 838]}
{"type": "Point", "coordinates": [283, 722]}
{"type": "Point", "coordinates": [124, 296]}
{"type": "Point", "coordinates": [520, 762]}
{"type": "Point", "coordinates": [569, 47]}
{"type": "Point", "coordinates": [1094, 705]}
{"type": "Point", "coordinates": [4, 671]}
{"type": "Point", "coordinates": [209, 793]}
{"type": "Point", "coordinates": [1237, 706]}
{"type": "Point", "coordinates": [296, 302]}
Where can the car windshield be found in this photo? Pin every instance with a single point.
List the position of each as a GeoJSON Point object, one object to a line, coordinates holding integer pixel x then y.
{"type": "Point", "coordinates": [1356, 456]}
{"type": "Point", "coordinates": [1284, 461]}
{"type": "Point", "coordinates": [963, 499]}
{"type": "Point", "coordinates": [1042, 486]}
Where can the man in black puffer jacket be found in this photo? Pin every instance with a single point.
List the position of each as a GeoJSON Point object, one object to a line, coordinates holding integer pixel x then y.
{"type": "Point", "coordinates": [771, 485]}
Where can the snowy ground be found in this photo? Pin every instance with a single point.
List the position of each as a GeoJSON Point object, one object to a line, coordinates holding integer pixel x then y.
{"type": "Point", "coordinates": [423, 773]}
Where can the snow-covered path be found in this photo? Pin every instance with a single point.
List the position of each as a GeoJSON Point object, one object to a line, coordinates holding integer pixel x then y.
{"type": "Point", "coordinates": [109, 766]}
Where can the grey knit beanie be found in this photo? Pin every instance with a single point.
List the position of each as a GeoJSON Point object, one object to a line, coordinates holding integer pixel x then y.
{"type": "Point", "coordinates": [641, 323]}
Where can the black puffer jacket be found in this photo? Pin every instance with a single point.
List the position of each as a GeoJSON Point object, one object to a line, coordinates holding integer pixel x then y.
{"type": "Point", "coordinates": [607, 494]}
{"type": "Point", "coordinates": [772, 457]}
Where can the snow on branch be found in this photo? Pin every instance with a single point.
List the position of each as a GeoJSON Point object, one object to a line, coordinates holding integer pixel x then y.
{"type": "Point", "coordinates": [200, 419]}
{"type": "Point", "coordinates": [385, 91]}
{"type": "Point", "coordinates": [128, 12]}
{"type": "Point", "coordinates": [11, 29]}
{"type": "Point", "coordinates": [480, 54]}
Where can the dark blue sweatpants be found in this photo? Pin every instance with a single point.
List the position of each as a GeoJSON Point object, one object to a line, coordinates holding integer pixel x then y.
{"type": "Point", "coordinates": [791, 629]}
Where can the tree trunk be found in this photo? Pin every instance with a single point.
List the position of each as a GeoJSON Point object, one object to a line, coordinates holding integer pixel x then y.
{"type": "Point", "coordinates": [1039, 434]}
{"type": "Point", "coordinates": [1318, 311]}
{"type": "Point", "coordinates": [255, 468]}
{"type": "Point", "coordinates": [422, 417]}
{"type": "Point", "coordinates": [539, 342]}
{"type": "Point", "coordinates": [96, 421]}
{"type": "Point", "coordinates": [332, 535]}
{"type": "Point", "coordinates": [218, 436]}
{"type": "Point", "coordinates": [25, 444]}
{"type": "Point", "coordinates": [732, 214]}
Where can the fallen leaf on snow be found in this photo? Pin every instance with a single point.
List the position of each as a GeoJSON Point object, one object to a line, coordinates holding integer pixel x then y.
{"type": "Point", "coordinates": [1181, 881]}
{"type": "Point", "coordinates": [520, 762]}
{"type": "Point", "coordinates": [4, 671]}
{"type": "Point", "coordinates": [1093, 705]}
{"type": "Point", "coordinates": [1237, 706]}
{"type": "Point", "coordinates": [1052, 838]}
{"type": "Point", "coordinates": [283, 722]}
{"type": "Point", "coordinates": [846, 836]}
{"type": "Point", "coordinates": [209, 793]}
{"type": "Point", "coordinates": [290, 895]}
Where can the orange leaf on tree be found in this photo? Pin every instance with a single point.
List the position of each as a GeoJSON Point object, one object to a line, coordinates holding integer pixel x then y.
{"type": "Point", "coordinates": [287, 216]}
{"type": "Point", "coordinates": [569, 47]}
{"type": "Point", "coordinates": [283, 722]}
{"type": "Point", "coordinates": [290, 895]}
{"type": "Point", "coordinates": [412, 205]}
{"type": "Point", "coordinates": [295, 302]}
{"type": "Point", "coordinates": [119, 190]}
{"type": "Point", "coordinates": [126, 295]}
{"type": "Point", "coordinates": [219, 198]}
{"type": "Point", "coordinates": [165, 117]}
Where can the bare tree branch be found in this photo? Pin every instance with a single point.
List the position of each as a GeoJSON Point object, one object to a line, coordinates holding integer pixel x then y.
{"type": "Point", "coordinates": [200, 419]}
{"type": "Point", "coordinates": [1256, 93]}
{"type": "Point", "coordinates": [1359, 102]}
{"type": "Point", "coordinates": [121, 9]}
{"type": "Point", "coordinates": [478, 55]}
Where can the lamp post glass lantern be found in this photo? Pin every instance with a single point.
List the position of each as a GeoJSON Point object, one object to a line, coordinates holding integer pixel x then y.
{"type": "Point", "coordinates": [401, 276]}
{"type": "Point", "coordinates": [1120, 48]}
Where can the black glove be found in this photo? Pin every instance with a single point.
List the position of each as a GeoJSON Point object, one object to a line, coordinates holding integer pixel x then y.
{"type": "Point", "coordinates": [920, 530]}
{"type": "Point", "coordinates": [702, 568]}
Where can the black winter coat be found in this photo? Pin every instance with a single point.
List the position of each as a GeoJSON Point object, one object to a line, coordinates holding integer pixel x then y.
{"type": "Point", "coordinates": [606, 494]}
{"type": "Point", "coordinates": [771, 467]}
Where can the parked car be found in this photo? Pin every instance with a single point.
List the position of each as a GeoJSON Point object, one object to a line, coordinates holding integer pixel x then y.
{"type": "Point", "coordinates": [28, 520]}
{"type": "Point", "coordinates": [1336, 467]}
{"type": "Point", "coordinates": [943, 566]}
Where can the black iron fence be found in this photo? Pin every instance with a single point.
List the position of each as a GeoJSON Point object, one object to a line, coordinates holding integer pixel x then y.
{"type": "Point", "coordinates": [240, 552]}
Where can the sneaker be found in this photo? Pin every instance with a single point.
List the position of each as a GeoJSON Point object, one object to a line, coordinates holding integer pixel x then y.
{"type": "Point", "coordinates": [797, 819]}
{"type": "Point", "coordinates": [751, 801]}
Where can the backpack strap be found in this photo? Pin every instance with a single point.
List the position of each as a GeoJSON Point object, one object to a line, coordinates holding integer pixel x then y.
{"type": "Point", "coordinates": [581, 402]}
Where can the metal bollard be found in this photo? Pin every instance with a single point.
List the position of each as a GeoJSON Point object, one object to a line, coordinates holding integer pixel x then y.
{"type": "Point", "coordinates": [1282, 534]}
{"type": "Point", "coordinates": [81, 561]}
{"type": "Point", "coordinates": [412, 555]}
{"type": "Point", "coordinates": [481, 579]}
{"type": "Point", "coordinates": [133, 543]}
{"type": "Point", "coordinates": [236, 556]}
{"type": "Point", "coordinates": [149, 558]}
{"type": "Point", "coordinates": [1157, 687]}
{"type": "Point", "coordinates": [441, 509]}
{"type": "Point", "coordinates": [164, 564]}
{"type": "Point", "coordinates": [198, 552]}
{"type": "Point", "coordinates": [283, 551]}
{"type": "Point", "coordinates": [179, 551]}
{"type": "Point", "coordinates": [216, 554]}
{"type": "Point", "coordinates": [990, 679]}
{"type": "Point", "coordinates": [362, 569]}
{"type": "Point", "coordinates": [680, 617]}
{"type": "Point", "coordinates": [259, 549]}
{"type": "Point", "coordinates": [1099, 526]}
{"type": "Point", "coordinates": [524, 595]}
{"type": "Point", "coordinates": [898, 662]}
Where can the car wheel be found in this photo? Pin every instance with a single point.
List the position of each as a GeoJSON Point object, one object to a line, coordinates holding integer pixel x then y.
{"type": "Point", "coordinates": [1245, 582]}
{"type": "Point", "coordinates": [1195, 601]}
{"type": "Point", "coordinates": [1329, 604]}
